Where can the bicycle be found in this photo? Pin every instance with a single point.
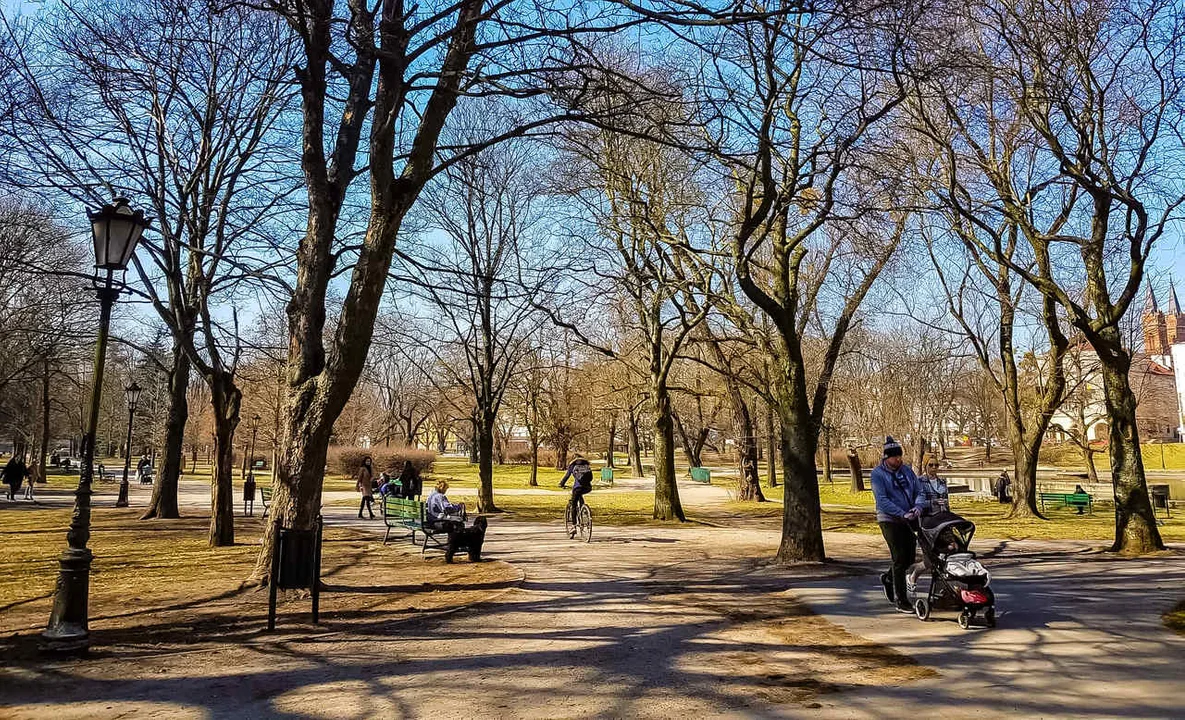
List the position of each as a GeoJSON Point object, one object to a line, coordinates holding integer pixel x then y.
{"type": "Point", "coordinates": [580, 524]}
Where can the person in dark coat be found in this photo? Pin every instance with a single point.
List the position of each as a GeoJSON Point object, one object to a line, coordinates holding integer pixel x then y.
{"type": "Point", "coordinates": [14, 474]}
{"type": "Point", "coordinates": [410, 483]}
{"type": "Point", "coordinates": [1004, 488]}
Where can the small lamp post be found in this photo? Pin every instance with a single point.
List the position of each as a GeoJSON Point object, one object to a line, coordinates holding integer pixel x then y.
{"type": "Point", "coordinates": [133, 393]}
{"type": "Point", "coordinates": [251, 455]}
{"type": "Point", "coordinates": [115, 228]}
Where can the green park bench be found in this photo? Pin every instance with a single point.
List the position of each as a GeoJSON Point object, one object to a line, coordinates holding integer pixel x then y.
{"type": "Point", "coordinates": [606, 479]}
{"type": "Point", "coordinates": [1074, 500]}
{"type": "Point", "coordinates": [402, 513]}
{"type": "Point", "coordinates": [701, 475]}
{"type": "Point", "coordinates": [265, 496]}
{"type": "Point", "coordinates": [412, 515]}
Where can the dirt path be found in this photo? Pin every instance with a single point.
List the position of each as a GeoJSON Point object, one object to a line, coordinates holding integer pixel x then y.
{"type": "Point", "coordinates": [670, 622]}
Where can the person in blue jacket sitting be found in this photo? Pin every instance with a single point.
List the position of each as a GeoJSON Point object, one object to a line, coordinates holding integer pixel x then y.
{"type": "Point", "coordinates": [899, 500]}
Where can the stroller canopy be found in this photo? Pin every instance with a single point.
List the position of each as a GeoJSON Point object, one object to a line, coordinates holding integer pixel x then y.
{"type": "Point", "coordinates": [933, 526]}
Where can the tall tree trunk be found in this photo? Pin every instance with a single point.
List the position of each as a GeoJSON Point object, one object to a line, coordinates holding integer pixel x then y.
{"type": "Point", "coordinates": [562, 446]}
{"type": "Point", "coordinates": [690, 452]}
{"type": "Point", "coordinates": [746, 442]}
{"type": "Point", "coordinates": [666, 491]}
{"type": "Point", "coordinates": [38, 462]}
{"type": "Point", "coordinates": [802, 529]}
{"type": "Point", "coordinates": [534, 481]}
{"type": "Point", "coordinates": [827, 478]}
{"type": "Point", "coordinates": [485, 463]}
{"type": "Point", "coordinates": [163, 504]}
{"type": "Point", "coordinates": [1135, 523]}
{"type": "Point", "coordinates": [635, 447]}
{"type": "Point", "coordinates": [1024, 460]}
{"type": "Point", "coordinates": [1092, 472]}
{"type": "Point", "coordinates": [612, 439]}
{"type": "Point", "coordinates": [474, 452]}
{"type": "Point", "coordinates": [225, 399]}
{"type": "Point", "coordinates": [774, 455]}
{"type": "Point", "coordinates": [857, 471]}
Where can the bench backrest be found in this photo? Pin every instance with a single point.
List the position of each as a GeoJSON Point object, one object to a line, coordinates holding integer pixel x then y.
{"type": "Point", "coordinates": [265, 492]}
{"type": "Point", "coordinates": [403, 508]}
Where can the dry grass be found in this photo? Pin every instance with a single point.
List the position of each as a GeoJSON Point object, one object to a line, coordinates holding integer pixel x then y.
{"type": "Point", "coordinates": [159, 581]}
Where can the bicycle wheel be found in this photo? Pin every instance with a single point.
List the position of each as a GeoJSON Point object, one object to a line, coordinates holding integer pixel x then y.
{"type": "Point", "coordinates": [569, 521]}
{"type": "Point", "coordinates": [584, 523]}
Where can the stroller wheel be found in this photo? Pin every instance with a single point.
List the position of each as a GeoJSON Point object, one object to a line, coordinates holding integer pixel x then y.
{"type": "Point", "coordinates": [965, 619]}
{"type": "Point", "coordinates": [989, 616]}
{"type": "Point", "coordinates": [887, 584]}
{"type": "Point", "coordinates": [922, 608]}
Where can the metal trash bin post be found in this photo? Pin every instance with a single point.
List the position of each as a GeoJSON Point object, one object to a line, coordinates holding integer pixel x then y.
{"type": "Point", "coordinates": [249, 496]}
{"type": "Point", "coordinates": [1160, 498]}
{"type": "Point", "coordinates": [296, 565]}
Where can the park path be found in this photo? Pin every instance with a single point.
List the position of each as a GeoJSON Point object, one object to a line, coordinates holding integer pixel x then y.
{"type": "Point", "coordinates": [632, 625]}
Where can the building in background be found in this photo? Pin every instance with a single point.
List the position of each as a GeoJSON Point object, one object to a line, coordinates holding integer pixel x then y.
{"type": "Point", "coordinates": [1164, 344]}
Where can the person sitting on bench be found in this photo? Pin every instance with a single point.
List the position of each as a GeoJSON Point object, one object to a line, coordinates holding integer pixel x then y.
{"type": "Point", "coordinates": [441, 514]}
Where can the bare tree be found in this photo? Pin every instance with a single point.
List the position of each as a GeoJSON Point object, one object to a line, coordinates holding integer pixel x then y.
{"type": "Point", "coordinates": [1097, 139]}
{"type": "Point", "coordinates": [198, 122]}
{"type": "Point", "coordinates": [478, 273]}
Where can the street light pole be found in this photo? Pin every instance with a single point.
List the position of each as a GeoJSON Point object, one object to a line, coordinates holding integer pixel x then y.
{"type": "Point", "coordinates": [251, 455]}
{"type": "Point", "coordinates": [133, 392]}
{"type": "Point", "coordinates": [116, 229]}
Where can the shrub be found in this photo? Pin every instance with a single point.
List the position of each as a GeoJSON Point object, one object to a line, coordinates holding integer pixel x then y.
{"type": "Point", "coordinates": [347, 460]}
{"type": "Point", "coordinates": [523, 457]}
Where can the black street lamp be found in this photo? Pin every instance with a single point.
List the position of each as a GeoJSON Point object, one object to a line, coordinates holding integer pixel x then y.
{"type": "Point", "coordinates": [251, 455]}
{"type": "Point", "coordinates": [133, 392]}
{"type": "Point", "coordinates": [116, 229]}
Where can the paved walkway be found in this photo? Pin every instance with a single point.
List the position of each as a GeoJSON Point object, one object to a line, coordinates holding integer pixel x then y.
{"type": "Point", "coordinates": [658, 622]}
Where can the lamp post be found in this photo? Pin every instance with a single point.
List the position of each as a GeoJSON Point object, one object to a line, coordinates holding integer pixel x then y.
{"type": "Point", "coordinates": [115, 229]}
{"type": "Point", "coordinates": [133, 392]}
{"type": "Point", "coordinates": [251, 455]}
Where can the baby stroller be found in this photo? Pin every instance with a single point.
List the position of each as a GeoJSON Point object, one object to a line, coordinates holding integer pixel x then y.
{"type": "Point", "coordinates": [957, 579]}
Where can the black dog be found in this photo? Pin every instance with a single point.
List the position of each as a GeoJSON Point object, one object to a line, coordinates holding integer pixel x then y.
{"type": "Point", "coordinates": [469, 538]}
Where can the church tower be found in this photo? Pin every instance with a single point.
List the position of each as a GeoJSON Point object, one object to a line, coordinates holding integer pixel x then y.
{"type": "Point", "coordinates": [1174, 319]}
{"type": "Point", "coordinates": [1156, 331]}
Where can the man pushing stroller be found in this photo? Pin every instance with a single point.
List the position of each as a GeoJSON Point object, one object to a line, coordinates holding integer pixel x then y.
{"type": "Point", "coordinates": [899, 499]}
{"type": "Point", "coordinates": [910, 509]}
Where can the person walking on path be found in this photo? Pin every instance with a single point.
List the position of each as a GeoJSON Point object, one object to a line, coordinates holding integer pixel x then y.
{"type": "Point", "coordinates": [365, 485]}
{"type": "Point", "coordinates": [937, 500]}
{"type": "Point", "coordinates": [15, 473]}
{"type": "Point", "coordinates": [934, 488]}
{"type": "Point", "coordinates": [899, 500]}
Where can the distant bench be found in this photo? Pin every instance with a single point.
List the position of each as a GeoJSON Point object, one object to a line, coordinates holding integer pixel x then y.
{"type": "Point", "coordinates": [1081, 501]}
{"type": "Point", "coordinates": [701, 475]}
{"type": "Point", "coordinates": [605, 480]}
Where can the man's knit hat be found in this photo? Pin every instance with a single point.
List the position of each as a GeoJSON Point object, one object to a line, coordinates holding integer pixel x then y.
{"type": "Point", "coordinates": [892, 447]}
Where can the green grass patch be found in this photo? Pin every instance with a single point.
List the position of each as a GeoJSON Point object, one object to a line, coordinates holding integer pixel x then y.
{"type": "Point", "coordinates": [1175, 619]}
{"type": "Point", "coordinates": [461, 473]}
{"type": "Point", "coordinates": [990, 520]}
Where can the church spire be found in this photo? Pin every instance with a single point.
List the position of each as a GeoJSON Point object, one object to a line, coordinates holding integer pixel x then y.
{"type": "Point", "coordinates": [1174, 306]}
{"type": "Point", "coordinates": [1150, 307]}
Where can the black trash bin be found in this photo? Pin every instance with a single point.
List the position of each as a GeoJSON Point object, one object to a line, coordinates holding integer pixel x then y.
{"type": "Point", "coordinates": [296, 565]}
{"type": "Point", "coordinates": [1160, 497]}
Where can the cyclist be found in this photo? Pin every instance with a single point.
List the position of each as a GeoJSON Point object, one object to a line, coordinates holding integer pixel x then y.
{"type": "Point", "coordinates": [582, 476]}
